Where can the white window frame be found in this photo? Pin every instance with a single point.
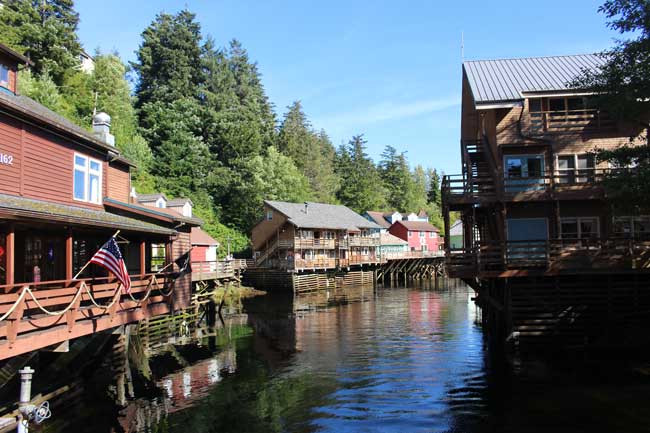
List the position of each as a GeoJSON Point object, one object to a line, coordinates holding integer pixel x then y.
{"type": "Point", "coordinates": [5, 83]}
{"type": "Point", "coordinates": [269, 215]}
{"type": "Point", "coordinates": [87, 171]}
{"type": "Point", "coordinates": [422, 235]}
{"type": "Point", "coordinates": [577, 178]}
{"type": "Point", "coordinates": [578, 221]}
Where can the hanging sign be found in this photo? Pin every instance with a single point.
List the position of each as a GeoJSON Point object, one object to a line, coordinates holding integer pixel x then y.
{"type": "Point", "coordinates": [6, 159]}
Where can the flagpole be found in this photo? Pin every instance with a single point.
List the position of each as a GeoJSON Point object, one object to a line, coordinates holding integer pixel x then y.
{"type": "Point", "coordinates": [88, 262]}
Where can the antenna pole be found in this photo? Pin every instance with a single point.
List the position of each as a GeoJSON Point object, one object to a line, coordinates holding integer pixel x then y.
{"type": "Point", "coordinates": [462, 45]}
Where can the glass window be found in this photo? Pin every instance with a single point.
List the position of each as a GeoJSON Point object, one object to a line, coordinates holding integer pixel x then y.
{"type": "Point", "coordinates": [269, 215]}
{"type": "Point", "coordinates": [556, 104]}
{"type": "Point", "coordinates": [158, 257]}
{"type": "Point", "coordinates": [535, 105]}
{"type": "Point", "coordinates": [422, 234]}
{"type": "Point", "coordinates": [87, 179]}
{"type": "Point", "coordinates": [566, 165]}
{"type": "Point", "coordinates": [579, 228]}
{"type": "Point", "coordinates": [575, 104]}
{"type": "Point", "coordinates": [4, 75]}
{"type": "Point", "coordinates": [527, 229]}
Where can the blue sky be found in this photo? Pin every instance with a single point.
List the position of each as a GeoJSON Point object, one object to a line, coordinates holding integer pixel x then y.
{"type": "Point", "coordinates": [387, 69]}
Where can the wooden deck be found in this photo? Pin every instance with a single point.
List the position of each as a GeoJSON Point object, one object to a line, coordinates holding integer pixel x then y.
{"type": "Point", "coordinates": [217, 269]}
{"type": "Point", "coordinates": [551, 257]}
{"type": "Point", "coordinates": [37, 315]}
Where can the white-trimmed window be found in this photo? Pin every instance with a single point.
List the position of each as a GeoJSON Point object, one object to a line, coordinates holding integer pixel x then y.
{"type": "Point", "coordinates": [410, 234]}
{"type": "Point", "coordinates": [365, 251]}
{"type": "Point", "coordinates": [579, 228]}
{"type": "Point", "coordinates": [4, 76]}
{"type": "Point", "coordinates": [87, 181]}
{"type": "Point", "coordinates": [432, 235]}
{"type": "Point", "coordinates": [269, 215]}
{"type": "Point", "coordinates": [422, 234]}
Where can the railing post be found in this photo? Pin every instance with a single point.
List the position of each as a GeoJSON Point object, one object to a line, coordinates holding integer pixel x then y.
{"type": "Point", "coordinates": [13, 322]}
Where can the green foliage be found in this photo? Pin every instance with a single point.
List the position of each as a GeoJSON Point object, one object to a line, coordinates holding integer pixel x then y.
{"type": "Point", "coordinates": [42, 89]}
{"type": "Point", "coordinates": [361, 186]}
{"type": "Point", "coordinates": [45, 31]}
{"type": "Point", "coordinates": [623, 86]}
{"type": "Point", "coordinates": [433, 194]}
{"type": "Point", "coordinates": [312, 153]}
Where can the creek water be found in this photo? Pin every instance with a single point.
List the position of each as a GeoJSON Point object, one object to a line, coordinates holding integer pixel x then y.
{"type": "Point", "coordinates": [364, 360]}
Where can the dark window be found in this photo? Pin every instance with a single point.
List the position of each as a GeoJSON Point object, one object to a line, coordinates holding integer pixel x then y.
{"type": "Point", "coordinates": [575, 104]}
{"type": "Point", "coordinates": [535, 105]}
{"type": "Point", "coordinates": [556, 104]}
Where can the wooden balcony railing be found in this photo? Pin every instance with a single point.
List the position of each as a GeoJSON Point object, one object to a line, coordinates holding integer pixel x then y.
{"type": "Point", "coordinates": [324, 244]}
{"type": "Point", "coordinates": [566, 121]}
{"type": "Point", "coordinates": [457, 188]}
{"type": "Point", "coordinates": [35, 315]}
{"type": "Point", "coordinates": [552, 255]}
{"type": "Point", "coordinates": [357, 241]}
{"type": "Point", "coordinates": [315, 263]}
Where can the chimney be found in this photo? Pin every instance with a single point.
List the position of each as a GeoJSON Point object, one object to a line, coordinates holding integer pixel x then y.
{"type": "Point", "coordinates": [102, 128]}
{"type": "Point", "coordinates": [306, 206]}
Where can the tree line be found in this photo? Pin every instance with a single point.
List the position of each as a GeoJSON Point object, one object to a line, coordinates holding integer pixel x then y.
{"type": "Point", "coordinates": [198, 122]}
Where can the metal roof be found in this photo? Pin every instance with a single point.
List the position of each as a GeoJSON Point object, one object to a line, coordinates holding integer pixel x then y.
{"type": "Point", "coordinates": [389, 239]}
{"type": "Point", "coordinates": [505, 80]}
{"type": "Point", "coordinates": [422, 226]}
{"type": "Point", "coordinates": [322, 216]}
{"type": "Point", "coordinates": [199, 236]}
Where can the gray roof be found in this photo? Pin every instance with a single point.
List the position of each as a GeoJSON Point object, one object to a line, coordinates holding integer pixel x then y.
{"type": "Point", "coordinates": [40, 209]}
{"type": "Point", "coordinates": [151, 197]}
{"type": "Point", "coordinates": [178, 202]}
{"type": "Point", "coordinates": [322, 216]}
{"type": "Point", "coordinates": [504, 80]}
{"type": "Point", "coordinates": [32, 109]}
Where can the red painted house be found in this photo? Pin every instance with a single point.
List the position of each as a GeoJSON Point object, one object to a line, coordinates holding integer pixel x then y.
{"type": "Point", "coordinates": [420, 235]}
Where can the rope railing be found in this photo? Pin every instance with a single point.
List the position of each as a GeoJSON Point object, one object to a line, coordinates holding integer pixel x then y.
{"type": "Point", "coordinates": [115, 297]}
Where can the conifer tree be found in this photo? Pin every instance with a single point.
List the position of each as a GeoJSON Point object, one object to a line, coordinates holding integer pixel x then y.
{"type": "Point", "coordinates": [45, 31]}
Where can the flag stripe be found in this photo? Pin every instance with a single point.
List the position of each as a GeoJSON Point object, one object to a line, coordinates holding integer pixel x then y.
{"type": "Point", "coordinates": [110, 257]}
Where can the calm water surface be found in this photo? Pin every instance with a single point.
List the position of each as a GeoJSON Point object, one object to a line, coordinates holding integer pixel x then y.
{"type": "Point", "coordinates": [384, 360]}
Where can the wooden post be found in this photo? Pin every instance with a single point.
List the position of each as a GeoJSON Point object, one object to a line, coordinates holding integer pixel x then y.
{"type": "Point", "coordinates": [143, 257]}
{"type": "Point", "coordinates": [68, 255]}
{"type": "Point", "coordinates": [11, 254]}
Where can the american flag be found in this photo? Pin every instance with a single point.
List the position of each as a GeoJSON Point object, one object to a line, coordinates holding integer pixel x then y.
{"type": "Point", "coordinates": [110, 257]}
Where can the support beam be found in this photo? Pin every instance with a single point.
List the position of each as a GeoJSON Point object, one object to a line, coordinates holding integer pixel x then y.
{"type": "Point", "coordinates": [68, 255]}
{"type": "Point", "coordinates": [11, 254]}
{"type": "Point", "coordinates": [143, 257]}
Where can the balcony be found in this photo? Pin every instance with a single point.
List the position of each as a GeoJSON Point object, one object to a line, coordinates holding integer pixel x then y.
{"type": "Point", "coordinates": [312, 243]}
{"type": "Point", "coordinates": [574, 183]}
{"type": "Point", "coordinates": [358, 241]}
{"type": "Point", "coordinates": [566, 121]}
{"type": "Point", "coordinates": [549, 257]}
{"type": "Point", "coordinates": [36, 315]}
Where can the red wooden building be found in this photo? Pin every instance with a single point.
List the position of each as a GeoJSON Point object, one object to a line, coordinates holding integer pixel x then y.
{"type": "Point", "coordinates": [63, 192]}
{"type": "Point", "coordinates": [420, 235]}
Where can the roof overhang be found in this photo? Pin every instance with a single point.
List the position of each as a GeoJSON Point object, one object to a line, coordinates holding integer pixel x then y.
{"type": "Point", "coordinates": [493, 105]}
{"type": "Point", "coordinates": [555, 93]}
{"type": "Point", "coordinates": [23, 209]}
{"type": "Point", "coordinates": [15, 55]}
{"type": "Point", "coordinates": [151, 212]}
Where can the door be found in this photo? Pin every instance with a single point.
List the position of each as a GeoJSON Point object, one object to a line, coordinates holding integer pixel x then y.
{"type": "Point", "coordinates": [527, 240]}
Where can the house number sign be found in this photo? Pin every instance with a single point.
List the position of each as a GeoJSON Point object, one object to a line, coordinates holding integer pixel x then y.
{"type": "Point", "coordinates": [6, 159]}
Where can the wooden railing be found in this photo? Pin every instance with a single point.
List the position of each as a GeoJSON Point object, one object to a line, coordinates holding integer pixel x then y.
{"type": "Point", "coordinates": [458, 188]}
{"type": "Point", "coordinates": [411, 255]}
{"type": "Point", "coordinates": [357, 241]}
{"type": "Point", "coordinates": [551, 255]}
{"type": "Point", "coordinates": [566, 121]}
{"type": "Point", "coordinates": [55, 311]}
{"type": "Point", "coordinates": [320, 263]}
{"type": "Point", "coordinates": [311, 243]}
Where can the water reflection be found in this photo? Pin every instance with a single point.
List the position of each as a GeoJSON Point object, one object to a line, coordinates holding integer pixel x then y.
{"type": "Point", "coordinates": [364, 360]}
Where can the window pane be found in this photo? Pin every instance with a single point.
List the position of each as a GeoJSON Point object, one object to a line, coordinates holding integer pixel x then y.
{"type": "Point", "coordinates": [513, 167]}
{"type": "Point", "coordinates": [4, 75]}
{"type": "Point", "coordinates": [569, 229]}
{"type": "Point", "coordinates": [566, 162]}
{"type": "Point", "coordinates": [575, 103]}
{"type": "Point", "coordinates": [586, 161]}
{"type": "Point", "coordinates": [527, 229]}
{"type": "Point", "coordinates": [94, 165]}
{"type": "Point", "coordinates": [80, 160]}
{"type": "Point", "coordinates": [535, 105]}
{"type": "Point", "coordinates": [94, 188]}
{"type": "Point", "coordinates": [556, 104]}
{"type": "Point", "coordinates": [534, 167]}
{"type": "Point", "coordinates": [588, 228]}
{"type": "Point", "coordinates": [79, 185]}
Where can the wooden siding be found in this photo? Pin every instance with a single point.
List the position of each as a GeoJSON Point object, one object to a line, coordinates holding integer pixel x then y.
{"type": "Point", "coordinates": [42, 163]}
{"type": "Point", "coordinates": [118, 182]}
{"type": "Point", "coordinates": [267, 230]}
{"type": "Point", "coordinates": [182, 292]}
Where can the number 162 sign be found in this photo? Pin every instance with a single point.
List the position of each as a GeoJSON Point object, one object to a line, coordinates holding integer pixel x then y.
{"type": "Point", "coordinates": [6, 159]}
